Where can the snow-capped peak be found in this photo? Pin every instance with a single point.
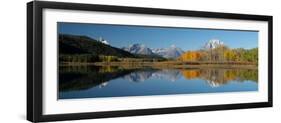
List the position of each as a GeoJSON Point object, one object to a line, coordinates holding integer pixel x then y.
{"type": "Point", "coordinates": [103, 41]}
{"type": "Point", "coordinates": [138, 49]}
{"type": "Point", "coordinates": [170, 52]}
{"type": "Point", "coordinates": [214, 43]}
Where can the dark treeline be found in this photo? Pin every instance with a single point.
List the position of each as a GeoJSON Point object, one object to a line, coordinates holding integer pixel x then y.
{"type": "Point", "coordinates": [73, 45]}
{"type": "Point", "coordinates": [90, 58]}
{"type": "Point", "coordinates": [85, 58]}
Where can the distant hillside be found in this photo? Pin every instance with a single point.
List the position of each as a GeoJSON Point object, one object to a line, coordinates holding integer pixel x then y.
{"type": "Point", "coordinates": [74, 44]}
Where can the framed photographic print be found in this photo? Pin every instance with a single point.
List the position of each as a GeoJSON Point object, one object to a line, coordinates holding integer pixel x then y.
{"type": "Point", "coordinates": [95, 61]}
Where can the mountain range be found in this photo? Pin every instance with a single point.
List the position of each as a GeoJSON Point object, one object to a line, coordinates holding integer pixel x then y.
{"type": "Point", "coordinates": [170, 52]}
{"type": "Point", "coordinates": [75, 44]}
{"type": "Point", "coordinates": [138, 49]}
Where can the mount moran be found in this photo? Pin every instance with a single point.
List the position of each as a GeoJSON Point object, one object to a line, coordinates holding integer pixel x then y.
{"type": "Point", "coordinates": [214, 43]}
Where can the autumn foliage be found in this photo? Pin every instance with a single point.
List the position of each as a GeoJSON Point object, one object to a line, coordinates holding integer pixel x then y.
{"type": "Point", "coordinates": [221, 54]}
{"type": "Point", "coordinates": [190, 56]}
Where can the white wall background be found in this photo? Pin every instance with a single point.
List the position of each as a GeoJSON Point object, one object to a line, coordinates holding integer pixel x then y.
{"type": "Point", "coordinates": [13, 61]}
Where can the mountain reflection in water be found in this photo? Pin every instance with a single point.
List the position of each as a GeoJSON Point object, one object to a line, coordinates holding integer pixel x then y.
{"type": "Point", "coordinates": [81, 78]}
{"type": "Point", "coordinates": [165, 74]}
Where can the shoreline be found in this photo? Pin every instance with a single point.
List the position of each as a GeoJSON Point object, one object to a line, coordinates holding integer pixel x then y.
{"type": "Point", "coordinates": [168, 65]}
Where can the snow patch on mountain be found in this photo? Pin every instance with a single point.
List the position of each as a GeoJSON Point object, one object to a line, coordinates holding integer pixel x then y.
{"type": "Point", "coordinates": [170, 52]}
{"type": "Point", "coordinates": [103, 41]}
{"type": "Point", "coordinates": [138, 49]}
{"type": "Point", "coordinates": [214, 43]}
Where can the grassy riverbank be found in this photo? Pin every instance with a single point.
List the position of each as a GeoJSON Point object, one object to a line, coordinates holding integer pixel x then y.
{"type": "Point", "coordinates": [169, 64]}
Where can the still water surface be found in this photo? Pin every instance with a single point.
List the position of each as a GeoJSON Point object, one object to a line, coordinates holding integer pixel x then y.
{"type": "Point", "coordinates": [92, 81]}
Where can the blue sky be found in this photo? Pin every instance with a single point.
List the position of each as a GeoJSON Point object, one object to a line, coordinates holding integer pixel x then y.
{"type": "Point", "coordinates": [160, 37]}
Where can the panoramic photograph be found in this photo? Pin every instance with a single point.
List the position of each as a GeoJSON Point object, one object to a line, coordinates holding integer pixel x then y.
{"type": "Point", "coordinates": [106, 60]}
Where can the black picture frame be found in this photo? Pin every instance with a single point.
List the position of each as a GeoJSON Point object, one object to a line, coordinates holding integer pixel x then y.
{"type": "Point", "coordinates": [34, 60]}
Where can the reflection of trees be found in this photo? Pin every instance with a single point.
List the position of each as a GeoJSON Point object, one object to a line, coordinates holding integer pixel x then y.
{"type": "Point", "coordinates": [191, 74]}
{"type": "Point", "coordinates": [83, 77]}
{"type": "Point", "coordinates": [217, 77]}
